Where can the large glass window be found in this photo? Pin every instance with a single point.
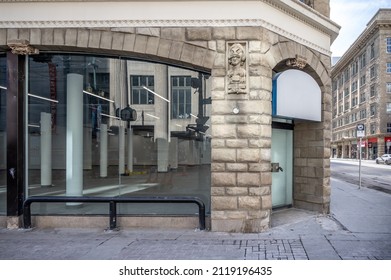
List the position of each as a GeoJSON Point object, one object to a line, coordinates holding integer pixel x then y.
{"type": "Point", "coordinates": [373, 90]}
{"type": "Point", "coordinates": [373, 72]}
{"type": "Point", "coordinates": [388, 67]}
{"type": "Point", "coordinates": [372, 109]}
{"type": "Point", "coordinates": [346, 75]}
{"type": "Point", "coordinates": [334, 85]}
{"type": "Point", "coordinates": [354, 101]}
{"type": "Point", "coordinates": [354, 68]}
{"type": "Point", "coordinates": [3, 158]}
{"type": "Point", "coordinates": [347, 105]}
{"type": "Point", "coordinates": [84, 138]}
{"type": "Point", "coordinates": [372, 51]}
{"type": "Point", "coordinates": [372, 128]}
{"type": "Point", "coordinates": [362, 97]}
{"type": "Point", "coordinates": [362, 80]}
{"type": "Point", "coordinates": [363, 60]}
{"type": "Point", "coordinates": [139, 93]}
{"type": "Point", "coordinates": [388, 107]}
{"type": "Point", "coordinates": [363, 114]}
{"type": "Point", "coordinates": [354, 86]}
{"type": "Point", "coordinates": [388, 44]}
{"type": "Point", "coordinates": [181, 97]}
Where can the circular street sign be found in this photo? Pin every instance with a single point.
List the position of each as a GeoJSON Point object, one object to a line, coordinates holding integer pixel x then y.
{"type": "Point", "coordinates": [360, 127]}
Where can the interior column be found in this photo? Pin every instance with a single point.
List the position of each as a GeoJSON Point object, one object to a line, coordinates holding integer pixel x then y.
{"type": "Point", "coordinates": [74, 135]}
{"type": "Point", "coordinates": [46, 149]}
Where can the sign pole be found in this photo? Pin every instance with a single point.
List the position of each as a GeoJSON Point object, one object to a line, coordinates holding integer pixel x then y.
{"type": "Point", "coordinates": [360, 134]}
{"type": "Point", "coordinates": [359, 165]}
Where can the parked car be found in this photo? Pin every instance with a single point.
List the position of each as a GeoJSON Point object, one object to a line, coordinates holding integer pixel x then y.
{"type": "Point", "coordinates": [386, 159]}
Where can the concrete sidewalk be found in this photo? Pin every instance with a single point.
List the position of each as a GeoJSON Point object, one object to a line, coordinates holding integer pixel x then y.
{"type": "Point", "coordinates": [359, 227]}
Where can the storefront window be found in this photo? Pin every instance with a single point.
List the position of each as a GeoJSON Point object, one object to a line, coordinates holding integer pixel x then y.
{"type": "Point", "coordinates": [84, 140]}
{"type": "Point", "coordinates": [3, 158]}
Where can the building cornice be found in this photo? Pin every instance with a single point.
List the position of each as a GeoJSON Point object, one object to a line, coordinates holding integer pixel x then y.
{"type": "Point", "coordinates": [375, 24]}
{"type": "Point", "coordinates": [308, 15]}
{"type": "Point", "coordinates": [311, 28]}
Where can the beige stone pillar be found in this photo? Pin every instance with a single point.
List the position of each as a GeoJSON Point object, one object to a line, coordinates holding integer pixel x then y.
{"type": "Point", "coordinates": [241, 143]}
{"type": "Point", "coordinates": [312, 160]}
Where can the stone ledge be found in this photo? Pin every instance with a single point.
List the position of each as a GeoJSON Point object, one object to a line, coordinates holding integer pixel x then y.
{"type": "Point", "coordinates": [103, 222]}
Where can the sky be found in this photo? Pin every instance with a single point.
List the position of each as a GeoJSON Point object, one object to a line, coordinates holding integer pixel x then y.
{"type": "Point", "coordinates": [352, 16]}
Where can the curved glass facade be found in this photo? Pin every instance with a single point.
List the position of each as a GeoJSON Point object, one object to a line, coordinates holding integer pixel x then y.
{"type": "Point", "coordinates": [101, 126]}
{"type": "Point", "coordinates": [3, 142]}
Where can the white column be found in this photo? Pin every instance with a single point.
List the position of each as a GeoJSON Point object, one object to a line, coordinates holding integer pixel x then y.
{"type": "Point", "coordinates": [173, 152]}
{"type": "Point", "coordinates": [192, 152]}
{"type": "Point", "coordinates": [74, 136]}
{"type": "Point", "coordinates": [103, 150]}
{"type": "Point", "coordinates": [130, 150]}
{"type": "Point", "coordinates": [162, 155]}
{"type": "Point", "coordinates": [87, 148]}
{"type": "Point", "coordinates": [46, 149]}
{"type": "Point", "coordinates": [121, 144]}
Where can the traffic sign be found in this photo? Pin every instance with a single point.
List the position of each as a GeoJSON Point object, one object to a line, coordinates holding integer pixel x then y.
{"type": "Point", "coordinates": [360, 130]}
{"type": "Point", "coordinates": [360, 134]}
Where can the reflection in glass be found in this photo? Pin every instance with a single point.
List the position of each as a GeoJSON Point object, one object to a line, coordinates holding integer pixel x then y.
{"type": "Point", "coordinates": [165, 151]}
{"type": "Point", "coordinates": [181, 92]}
{"type": "Point", "coordinates": [3, 142]}
{"type": "Point", "coordinates": [139, 94]}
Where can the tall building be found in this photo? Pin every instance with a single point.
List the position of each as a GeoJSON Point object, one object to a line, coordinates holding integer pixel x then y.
{"type": "Point", "coordinates": [361, 89]}
{"type": "Point", "coordinates": [165, 98]}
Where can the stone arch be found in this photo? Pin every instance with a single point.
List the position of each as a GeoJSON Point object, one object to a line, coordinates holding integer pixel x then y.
{"type": "Point", "coordinates": [311, 158]}
{"type": "Point", "coordinates": [317, 65]}
{"type": "Point", "coordinates": [127, 43]}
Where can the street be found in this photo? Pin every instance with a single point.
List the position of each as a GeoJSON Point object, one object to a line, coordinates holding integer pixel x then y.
{"type": "Point", "coordinates": [373, 176]}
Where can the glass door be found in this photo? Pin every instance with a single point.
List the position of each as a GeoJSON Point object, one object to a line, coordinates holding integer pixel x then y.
{"type": "Point", "coordinates": [282, 164]}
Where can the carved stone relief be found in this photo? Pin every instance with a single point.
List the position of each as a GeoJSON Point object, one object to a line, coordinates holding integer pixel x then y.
{"type": "Point", "coordinates": [22, 47]}
{"type": "Point", "coordinates": [297, 62]}
{"type": "Point", "coordinates": [237, 68]}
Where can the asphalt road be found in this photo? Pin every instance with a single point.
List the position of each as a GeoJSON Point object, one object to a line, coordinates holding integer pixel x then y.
{"type": "Point", "coordinates": [373, 176]}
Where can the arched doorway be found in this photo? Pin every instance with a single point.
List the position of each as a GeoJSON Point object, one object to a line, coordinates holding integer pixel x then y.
{"type": "Point", "coordinates": [295, 96]}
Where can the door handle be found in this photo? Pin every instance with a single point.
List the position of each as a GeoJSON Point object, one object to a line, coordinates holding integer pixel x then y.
{"type": "Point", "coordinates": [275, 167]}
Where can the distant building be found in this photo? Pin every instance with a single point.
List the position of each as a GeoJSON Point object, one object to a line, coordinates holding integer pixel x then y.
{"type": "Point", "coordinates": [361, 89]}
